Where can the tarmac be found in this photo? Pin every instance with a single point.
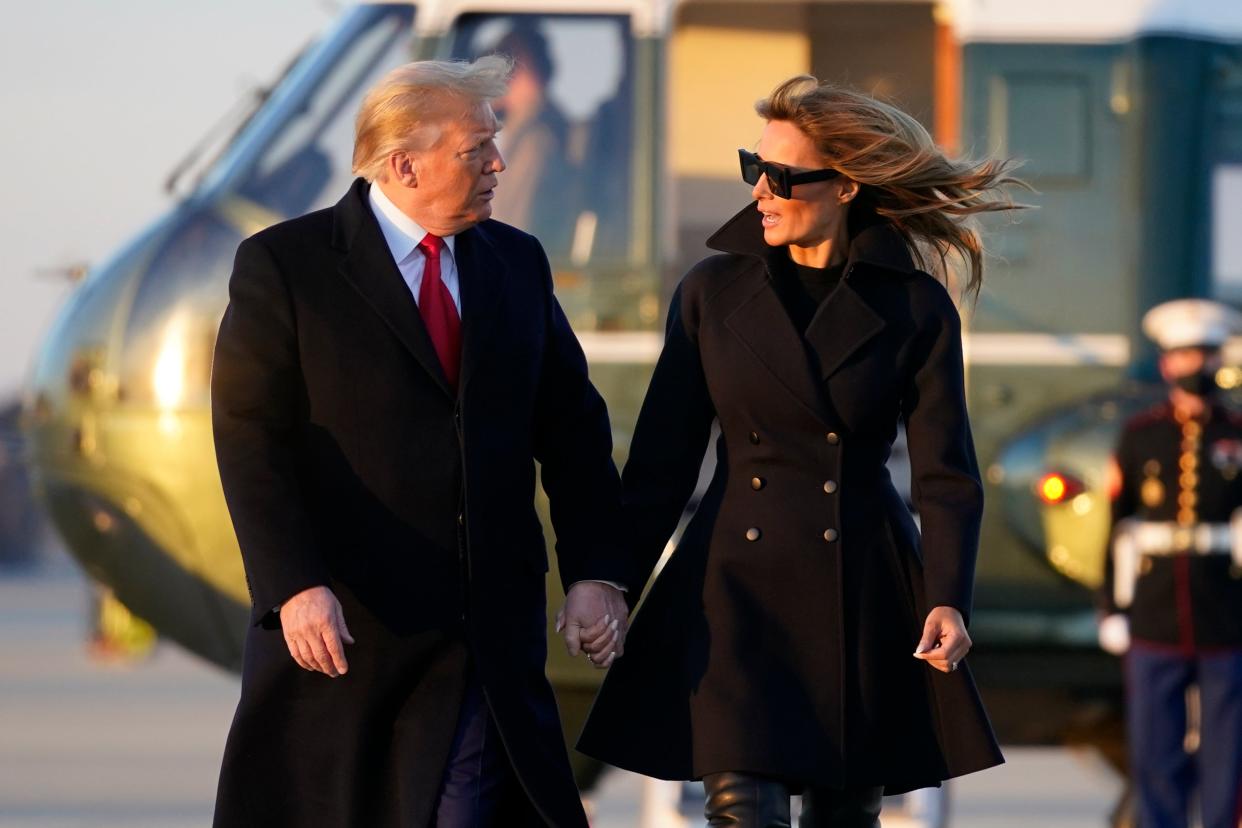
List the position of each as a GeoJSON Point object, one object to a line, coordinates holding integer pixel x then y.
{"type": "Point", "coordinates": [91, 745]}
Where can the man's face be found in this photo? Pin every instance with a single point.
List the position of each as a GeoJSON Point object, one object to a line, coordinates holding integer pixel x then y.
{"type": "Point", "coordinates": [1181, 362]}
{"type": "Point", "coordinates": [457, 177]}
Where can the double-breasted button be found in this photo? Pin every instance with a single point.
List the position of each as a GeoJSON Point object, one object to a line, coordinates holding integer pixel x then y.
{"type": "Point", "coordinates": [830, 486]}
{"type": "Point", "coordinates": [754, 438]}
{"type": "Point", "coordinates": [753, 533]}
{"type": "Point", "coordinates": [830, 535]}
{"type": "Point", "coordinates": [757, 483]}
{"type": "Point", "coordinates": [833, 438]}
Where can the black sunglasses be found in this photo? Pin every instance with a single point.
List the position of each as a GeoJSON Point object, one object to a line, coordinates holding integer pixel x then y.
{"type": "Point", "coordinates": [781, 179]}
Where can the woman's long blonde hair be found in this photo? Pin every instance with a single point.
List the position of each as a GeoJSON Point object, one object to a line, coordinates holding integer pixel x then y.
{"type": "Point", "coordinates": [906, 179]}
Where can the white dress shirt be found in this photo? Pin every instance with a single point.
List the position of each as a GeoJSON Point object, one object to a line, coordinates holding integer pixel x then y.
{"type": "Point", "coordinates": [403, 235]}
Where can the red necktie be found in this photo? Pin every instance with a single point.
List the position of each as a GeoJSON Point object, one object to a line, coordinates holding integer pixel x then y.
{"type": "Point", "coordinates": [435, 303]}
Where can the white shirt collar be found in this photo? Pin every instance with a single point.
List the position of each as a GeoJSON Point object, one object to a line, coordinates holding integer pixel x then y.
{"type": "Point", "coordinates": [400, 231]}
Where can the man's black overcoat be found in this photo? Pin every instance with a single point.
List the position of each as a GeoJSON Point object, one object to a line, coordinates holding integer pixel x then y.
{"type": "Point", "coordinates": [778, 637]}
{"type": "Point", "coordinates": [348, 461]}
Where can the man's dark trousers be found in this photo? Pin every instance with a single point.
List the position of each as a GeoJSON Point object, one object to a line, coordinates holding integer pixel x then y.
{"type": "Point", "coordinates": [1166, 777]}
{"type": "Point", "coordinates": [480, 789]}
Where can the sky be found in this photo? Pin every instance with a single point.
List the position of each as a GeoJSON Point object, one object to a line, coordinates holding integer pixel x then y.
{"type": "Point", "coordinates": [99, 100]}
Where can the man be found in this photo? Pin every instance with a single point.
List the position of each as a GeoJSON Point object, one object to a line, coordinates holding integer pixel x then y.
{"type": "Point", "coordinates": [386, 375]}
{"type": "Point", "coordinates": [535, 142]}
{"type": "Point", "coordinates": [1173, 584]}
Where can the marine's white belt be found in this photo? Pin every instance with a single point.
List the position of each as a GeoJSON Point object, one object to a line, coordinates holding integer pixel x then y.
{"type": "Point", "coordinates": [1170, 538]}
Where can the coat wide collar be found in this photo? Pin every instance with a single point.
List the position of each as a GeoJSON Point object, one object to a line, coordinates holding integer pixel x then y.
{"type": "Point", "coordinates": [842, 324]}
{"type": "Point", "coordinates": [367, 264]}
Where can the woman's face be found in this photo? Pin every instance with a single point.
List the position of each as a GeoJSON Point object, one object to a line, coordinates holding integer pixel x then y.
{"type": "Point", "coordinates": [816, 212]}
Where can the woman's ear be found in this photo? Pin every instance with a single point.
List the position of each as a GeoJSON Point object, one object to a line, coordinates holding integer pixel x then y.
{"type": "Point", "coordinates": [849, 191]}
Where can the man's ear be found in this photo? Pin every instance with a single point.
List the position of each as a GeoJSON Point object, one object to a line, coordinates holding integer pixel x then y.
{"type": "Point", "coordinates": [401, 169]}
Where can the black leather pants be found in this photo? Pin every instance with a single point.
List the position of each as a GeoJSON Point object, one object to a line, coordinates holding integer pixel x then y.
{"type": "Point", "coordinates": [741, 800]}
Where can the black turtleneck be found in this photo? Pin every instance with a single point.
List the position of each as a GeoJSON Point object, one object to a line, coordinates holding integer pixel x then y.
{"type": "Point", "coordinates": [803, 289]}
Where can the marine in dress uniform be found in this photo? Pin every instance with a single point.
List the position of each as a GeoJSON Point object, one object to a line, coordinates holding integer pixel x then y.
{"type": "Point", "coordinates": [1172, 594]}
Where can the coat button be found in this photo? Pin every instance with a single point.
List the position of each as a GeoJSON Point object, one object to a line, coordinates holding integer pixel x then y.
{"type": "Point", "coordinates": [833, 438]}
{"type": "Point", "coordinates": [753, 534]}
{"type": "Point", "coordinates": [830, 535]}
{"type": "Point", "coordinates": [830, 486]}
{"type": "Point", "coordinates": [754, 438]}
{"type": "Point", "coordinates": [461, 518]}
{"type": "Point", "coordinates": [757, 483]}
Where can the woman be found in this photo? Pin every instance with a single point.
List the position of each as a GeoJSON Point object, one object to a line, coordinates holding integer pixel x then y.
{"type": "Point", "coordinates": [773, 655]}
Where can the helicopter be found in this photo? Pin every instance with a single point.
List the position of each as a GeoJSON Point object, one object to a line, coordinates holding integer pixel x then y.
{"type": "Point", "coordinates": [655, 96]}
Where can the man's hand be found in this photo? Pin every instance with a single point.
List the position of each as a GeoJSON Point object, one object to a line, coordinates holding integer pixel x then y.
{"type": "Point", "coordinates": [315, 631]}
{"type": "Point", "coordinates": [944, 642]}
{"type": "Point", "coordinates": [594, 622]}
{"type": "Point", "coordinates": [1114, 633]}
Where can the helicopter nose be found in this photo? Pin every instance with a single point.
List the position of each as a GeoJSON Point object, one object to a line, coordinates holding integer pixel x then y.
{"type": "Point", "coordinates": [118, 434]}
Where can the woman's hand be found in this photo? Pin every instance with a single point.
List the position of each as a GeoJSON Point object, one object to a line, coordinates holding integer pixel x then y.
{"type": "Point", "coordinates": [594, 622]}
{"type": "Point", "coordinates": [945, 641]}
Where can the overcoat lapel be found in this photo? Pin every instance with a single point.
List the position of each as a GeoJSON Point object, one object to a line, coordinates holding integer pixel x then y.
{"type": "Point", "coordinates": [843, 324]}
{"type": "Point", "coordinates": [763, 325]}
{"type": "Point", "coordinates": [481, 273]}
{"type": "Point", "coordinates": [367, 265]}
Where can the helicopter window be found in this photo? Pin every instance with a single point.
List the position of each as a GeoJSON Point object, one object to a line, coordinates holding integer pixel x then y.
{"type": "Point", "coordinates": [567, 137]}
{"type": "Point", "coordinates": [1226, 244]}
{"type": "Point", "coordinates": [1048, 123]}
{"type": "Point", "coordinates": [308, 164]}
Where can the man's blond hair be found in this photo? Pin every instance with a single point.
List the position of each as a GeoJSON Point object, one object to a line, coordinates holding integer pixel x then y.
{"type": "Point", "coordinates": [405, 110]}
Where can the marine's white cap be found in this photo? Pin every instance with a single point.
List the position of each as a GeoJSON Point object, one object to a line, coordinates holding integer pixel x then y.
{"type": "Point", "coordinates": [1191, 323]}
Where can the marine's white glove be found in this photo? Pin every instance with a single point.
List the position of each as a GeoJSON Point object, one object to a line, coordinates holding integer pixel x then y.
{"type": "Point", "coordinates": [1114, 634]}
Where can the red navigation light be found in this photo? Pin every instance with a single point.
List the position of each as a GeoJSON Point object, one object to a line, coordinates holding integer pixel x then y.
{"type": "Point", "coordinates": [1058, 487]}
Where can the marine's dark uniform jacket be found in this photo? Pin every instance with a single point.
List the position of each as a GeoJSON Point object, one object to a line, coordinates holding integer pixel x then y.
{"type": "Point", "coordinates": [1189, 601]}
{"type": "Point", "coordinates": [778, 638]}
{"type": "Point", "coordinates": [347, 460]}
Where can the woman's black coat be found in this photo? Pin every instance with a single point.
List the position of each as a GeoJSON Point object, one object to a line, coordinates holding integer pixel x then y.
{"type": "Point", "coordinates": [778, 639]}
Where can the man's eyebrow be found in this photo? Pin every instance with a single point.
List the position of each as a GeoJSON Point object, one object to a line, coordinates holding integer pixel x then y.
{"type": "Point", "coordinates": [481, 134]}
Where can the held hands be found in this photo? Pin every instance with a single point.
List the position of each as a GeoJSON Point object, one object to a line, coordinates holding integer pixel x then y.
{"type": "Point", "coordinates": [944, 642]}
{"type": "Point", "coordinates": [594, 622]}
{"type": "Point", "coordinates": [315, 631]}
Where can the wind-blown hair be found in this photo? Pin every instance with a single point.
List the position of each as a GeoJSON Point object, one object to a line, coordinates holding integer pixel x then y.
{"type": "Point", "coordinates": [906, 179]}
{"type": "Point", "coordinates": [406, 109]}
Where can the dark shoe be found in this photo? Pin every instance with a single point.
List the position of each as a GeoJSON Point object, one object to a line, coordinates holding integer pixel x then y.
{"type": "Point", "coordinates": [740, 800]}
{"type": "Point", "coordinates": [849, 808]}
